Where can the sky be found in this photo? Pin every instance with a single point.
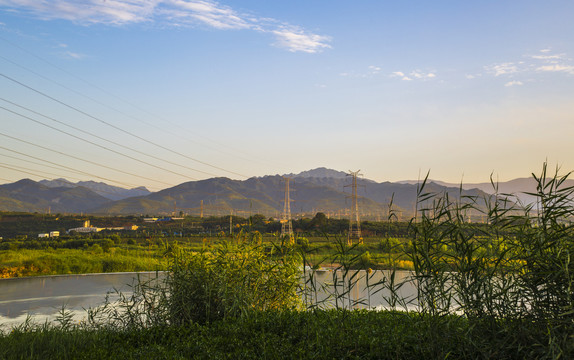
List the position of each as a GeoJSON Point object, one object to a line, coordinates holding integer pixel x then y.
{"type": "Point", "coordinates": [159, 92]}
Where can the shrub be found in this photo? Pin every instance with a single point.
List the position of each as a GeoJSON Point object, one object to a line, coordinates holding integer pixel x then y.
{"type": "Point", "coordinates": [236, 277]}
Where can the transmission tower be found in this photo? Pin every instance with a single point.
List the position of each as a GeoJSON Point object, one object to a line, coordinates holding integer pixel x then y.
{"type": "Point", "coordinates": [286, 225]}
{"type": "Point", "coordinates": [354, 221]}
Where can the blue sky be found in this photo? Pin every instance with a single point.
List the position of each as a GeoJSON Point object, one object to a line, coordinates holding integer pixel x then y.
{"type": "Point", "coordinates": [188, 90]}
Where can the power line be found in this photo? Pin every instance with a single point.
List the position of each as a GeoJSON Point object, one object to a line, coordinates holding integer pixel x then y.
{"type": "Point", "coordinates": [116, 127]}
{"type": "Point", "coordinates": [70, 169]}
{"type": "Point", "coordinates": [6, 166]}
{"type": "Point", "coordinates": [74, 185]}
{"type": "Point", "coordinates": [95, 144]}
{"type": "Point", "coordinates": [102, 138]}
{"type": "Point", "coordinates": [123, 100]}
{"type": "Point", "coordinates": [35, 163]}
{"type": "Point", "coordinates": [28, 169]}
{"type": "Point", "coordinates": [88, 161]}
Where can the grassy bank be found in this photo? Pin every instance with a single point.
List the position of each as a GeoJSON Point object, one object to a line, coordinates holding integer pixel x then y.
{"type": "Point", "coordinates": [18, 263]}
{"type": "Point", "coordinates": [335, 334]}
{"type": "Point", "coordinates": [107, 256]}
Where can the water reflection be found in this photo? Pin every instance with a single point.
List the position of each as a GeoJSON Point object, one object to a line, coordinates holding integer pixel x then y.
{"type": "Point", "coordinates": [379, 289]}
{"type": "Point", "coordinates": [42, 297]}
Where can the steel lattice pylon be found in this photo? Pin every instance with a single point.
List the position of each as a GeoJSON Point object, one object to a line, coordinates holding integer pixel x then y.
{"type": "Point", "coordinates": [354, 221]}
{"type": "Point", "coordinates": [286, 224]}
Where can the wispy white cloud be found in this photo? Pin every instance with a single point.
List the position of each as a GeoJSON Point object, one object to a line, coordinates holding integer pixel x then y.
{"type": "Point", "coordinates": [503, 69]}
{"type": "Point", "coordinates": [547, 57]}
{"type": "Point", "coordinates": [208, 13]}
{"type": "Point", "coordinates": [513, 83]}
{"type": "Point", "coordinates": [86, 11]}
{"type": "Point", "coordinates": [413, 75]}
{"type": "Point", "coordinates": [295, 39]}
{"type": "Point", "coordinates": [74, 55]}
{"type": "Point", "coordinates": [557, 68]}
{"type": "Point", "coordinates": [374, 69]}
{"type": "Point", "coordinates": [544, 62]}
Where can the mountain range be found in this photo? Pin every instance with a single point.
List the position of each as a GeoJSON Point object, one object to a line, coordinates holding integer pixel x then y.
{"type": "Point", "coordinates": [520, 188]}
{"type": "Point", "coordinates": [318, 190]}
{"type": "Point", "coordinates": [108, 191]}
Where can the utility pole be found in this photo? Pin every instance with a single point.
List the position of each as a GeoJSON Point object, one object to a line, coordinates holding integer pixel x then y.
{"type": "Point", "coordinates": [286, 225]}
{"type": "Point", "coordinates": [354, 221]}
{"type": "Point", "coordinates": [231, 222]}
{"type": "Point", "coordinates": [201, 210]}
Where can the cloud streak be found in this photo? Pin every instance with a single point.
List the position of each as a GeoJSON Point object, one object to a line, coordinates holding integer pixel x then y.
{"type": "Point", "coordinates": [513, 83]}
{"type": "Point", "coordinates": [544, 62]}
{"type": "Point", "coordinates": [296, 39]}
{"type": "Point", "coordinates": [413, 75]}
{"type": "Point", "coordinates": [177, 13]}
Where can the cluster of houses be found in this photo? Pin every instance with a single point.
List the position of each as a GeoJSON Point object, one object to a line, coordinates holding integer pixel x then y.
{"type": "Point", "coordinates": [87, 228]}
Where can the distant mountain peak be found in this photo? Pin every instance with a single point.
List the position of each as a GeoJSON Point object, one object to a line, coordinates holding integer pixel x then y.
{"type": "Point", "coordinates": [320, 172]}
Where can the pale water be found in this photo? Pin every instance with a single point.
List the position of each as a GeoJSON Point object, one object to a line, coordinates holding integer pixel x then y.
{"type": "Point", "coordinates": [43, 297]}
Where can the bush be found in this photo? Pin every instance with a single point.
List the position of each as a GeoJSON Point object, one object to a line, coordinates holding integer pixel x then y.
{"type": "Point", "coordinates": [303, 243]}
{"type": "Point", "coordinates": [233, 279]}
{"type": "Point", "coordinates": [390, 245]}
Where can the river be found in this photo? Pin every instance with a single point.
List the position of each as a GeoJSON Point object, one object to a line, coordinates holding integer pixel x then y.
{"type": "Point", "coordinates": [42, 298]}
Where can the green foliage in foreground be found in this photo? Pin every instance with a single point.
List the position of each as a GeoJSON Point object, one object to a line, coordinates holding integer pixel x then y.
{"type": "Point", "coordinates": [334, 334]}
{"type": "Point", "coordinates": [234, 278]}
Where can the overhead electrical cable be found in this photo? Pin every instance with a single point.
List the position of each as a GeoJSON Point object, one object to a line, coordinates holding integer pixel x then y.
{"type": "Point", "coordinates": [71, 169]}
{"type": "Point", "coordinates": [28, 169]}
{"type": "Point", "coordinates": [73, 185]}
{"type": "Point", "coordinates": [163, 129]}
{"type": "Point", "coordinates": [6, 166]}
{"type": "Point", "coordinates": [116, 127]}
{"type": "Point", "coordinates": [104, 139]}
{"type": "Point", "coordinates": [36, 163]}
{"type": "Point", "coordinates": [84, 160]}
{"type": "Point", "coordinates": [95, 144]}
{"type": "Point", "coordinates": [235, 151]}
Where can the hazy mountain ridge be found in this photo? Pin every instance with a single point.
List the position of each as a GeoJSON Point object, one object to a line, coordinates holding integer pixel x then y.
{"type": "Point", "coordinates": [518, 188]}
{"type": "Point", "coordinates": [312, 191]}
{"type": "Point", "coordinates": [108, 191]}
{"type": "Point", "coordinates": [29, 195]}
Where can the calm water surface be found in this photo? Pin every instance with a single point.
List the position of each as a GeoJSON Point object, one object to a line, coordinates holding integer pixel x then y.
{"type": "Point", "coordinates": [42, 297]}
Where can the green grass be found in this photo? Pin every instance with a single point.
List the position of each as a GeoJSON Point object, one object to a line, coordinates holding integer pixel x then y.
{"type": "Point", "coordinates": [15, 263]}
{"type": "Point", "coordinates": [334, 334]}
